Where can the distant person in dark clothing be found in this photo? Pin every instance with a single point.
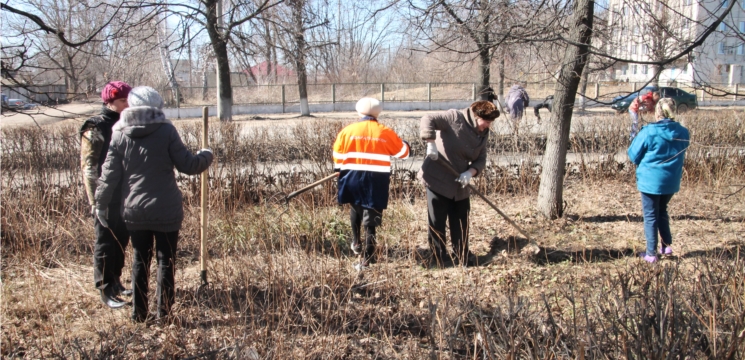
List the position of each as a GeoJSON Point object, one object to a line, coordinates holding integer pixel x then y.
{"type": "Point", "coordinates": [546, 104]}
{"type": "Point", "coordinates": [112, 238]}
{"type": "Point", "coordinates": [145, 148]}
{"type": "Point", "coordinates": [488, 94]}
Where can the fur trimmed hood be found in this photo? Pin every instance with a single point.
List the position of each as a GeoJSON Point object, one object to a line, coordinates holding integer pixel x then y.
{"type": "Point", "coordinates": [140, 121]}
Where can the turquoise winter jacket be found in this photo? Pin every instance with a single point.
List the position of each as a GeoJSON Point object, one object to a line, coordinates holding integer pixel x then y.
{"type": "Point", "coordinates": [659, 151]}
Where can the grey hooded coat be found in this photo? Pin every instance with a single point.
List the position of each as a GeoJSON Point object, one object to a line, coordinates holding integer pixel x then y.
{"type": "Point", "coordinates": [145, 147]}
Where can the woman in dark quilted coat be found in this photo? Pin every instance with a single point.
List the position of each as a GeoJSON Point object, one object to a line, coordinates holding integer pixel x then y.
{"type": "Point", "coordinates": [145, 147]}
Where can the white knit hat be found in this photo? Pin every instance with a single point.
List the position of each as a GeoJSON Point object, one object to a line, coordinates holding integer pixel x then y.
{"type": "Point", "coordinates": [369, 107]}
{"type": "Point", "coordinates": [145, 96]}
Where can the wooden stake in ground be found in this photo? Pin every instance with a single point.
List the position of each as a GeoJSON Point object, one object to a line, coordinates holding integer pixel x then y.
{"type": "Point", "coordinates": [204, 202]}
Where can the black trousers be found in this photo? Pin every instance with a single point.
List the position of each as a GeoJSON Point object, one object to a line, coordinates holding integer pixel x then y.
{"type": "Point", "coordinates": [109, 250]}
{"type": "Point", "coordinates": [370, 219]}
{"type": "Point", "coordinates": [441, 211]}
{"type": "Point", "coordinates": [165, 247]}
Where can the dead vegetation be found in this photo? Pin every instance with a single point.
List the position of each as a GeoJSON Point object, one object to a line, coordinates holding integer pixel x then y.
{"type": "Point", "coordinates": [282, 285]}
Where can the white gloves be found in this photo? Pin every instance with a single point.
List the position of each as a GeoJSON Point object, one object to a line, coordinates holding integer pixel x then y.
{"type": "Point", "coordinates": [464, 178]}
{"type": "Point", "coordinates": [101, 215]}
{"type": "Point", "coordinates": [204, 150]}
{"type": "Point", "coordinates": [432, 150]}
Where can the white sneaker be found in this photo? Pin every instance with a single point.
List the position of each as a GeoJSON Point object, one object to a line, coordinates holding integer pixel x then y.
{"type": "Point", "coordinates": [356, 247]}
{"type": "Point", "coordinates": [360, 266]}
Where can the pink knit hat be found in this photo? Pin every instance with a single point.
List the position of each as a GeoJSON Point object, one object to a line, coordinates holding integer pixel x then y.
{"type": "Point", "coordinates": [115, 90]}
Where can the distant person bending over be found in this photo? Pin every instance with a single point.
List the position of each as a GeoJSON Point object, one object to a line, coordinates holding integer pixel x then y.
{"type": "Point", "coordinates": [362, 155]}
{"type": "Point", "coordinates": [659, 152]}
{"type": "Point", "coordinates": [517, 99]}
{"type": "Point", "coordinates": [460, 138]}
{"type": "Point", "coordinates": [112, 240]}
{"type": "Point", "coordinates": [643, 104]}
{"type": "Point", "coordinates": [144, 150]}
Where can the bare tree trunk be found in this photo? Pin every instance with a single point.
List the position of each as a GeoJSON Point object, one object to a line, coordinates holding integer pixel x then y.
{"type": "Point", "coordinates": [484, 71]}
{"type": "Point", "coordinates": [301, 48]}
{"type": "Point", "coordinates": [224, 87]}
{"type": "Point", "coordinates": [220, 47]}
{"type": "Point", "coordinates": [583, 91]}
{"type": "Point", "coordinates": [550, 192]}
{"type": "Point", "coordinates": [656, 70]}
{"type": "Point", "coordinates": [500, 84]}
{"type": "Point", "coordinates": [165, 59]}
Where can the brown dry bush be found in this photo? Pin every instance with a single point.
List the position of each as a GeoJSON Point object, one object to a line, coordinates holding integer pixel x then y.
{"type": "Point", "coordinates": [281, 286]}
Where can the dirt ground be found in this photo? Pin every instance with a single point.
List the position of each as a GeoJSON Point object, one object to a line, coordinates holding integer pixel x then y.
{"type": "Point", "coordinates": [56, 304]}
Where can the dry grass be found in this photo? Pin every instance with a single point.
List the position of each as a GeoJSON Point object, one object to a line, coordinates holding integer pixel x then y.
{"type": "Point", "coordinates": [282, 285]}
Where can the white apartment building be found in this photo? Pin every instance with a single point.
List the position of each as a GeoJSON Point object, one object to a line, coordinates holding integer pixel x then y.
{"type": "Point", "coordinates": [719, 61]}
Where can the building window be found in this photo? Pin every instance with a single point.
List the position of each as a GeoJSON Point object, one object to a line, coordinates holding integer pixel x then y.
{"type": "Point", "coordinates": [633, 69]}
{"type": "Point", "coordinates": [623, 69]}
{"type": "Point", "coordinates": [742, 25]}
{"type": "Point", "coordinates": [645, 48]}
{"type": "Point", "coordinates": [687, 2]}
{"type": "Point", "coordinates": [720, 48]}
{"type": "Point", "coordinates": [644, 69]}
{"type": "Point", "coordinates": [725, 3]}
{"type": "Point", "coordinates": [633, 49]}
{"type": "Point", "coordinates": [722, 27]}
{"type": "Point", "coordinates": [740, 50]}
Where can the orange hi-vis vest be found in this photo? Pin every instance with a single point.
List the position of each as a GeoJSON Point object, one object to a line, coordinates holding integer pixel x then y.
{"type": "Point", "coordinates": [368, 146]}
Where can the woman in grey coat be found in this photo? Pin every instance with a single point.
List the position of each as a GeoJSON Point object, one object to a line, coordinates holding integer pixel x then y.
{"type": "Point", "coordinates": [460, 137]}
{"type": "Point", "coordinates": [145, 147]}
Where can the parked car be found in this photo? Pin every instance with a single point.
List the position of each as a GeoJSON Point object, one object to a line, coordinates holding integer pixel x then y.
{"type": "Point", "coordinates": [686, 101]}
{"type": "Point", "coordinates": [17, 104]}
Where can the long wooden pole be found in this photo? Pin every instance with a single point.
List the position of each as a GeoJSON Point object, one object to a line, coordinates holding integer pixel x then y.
{"type": "Point", "coordinates": [532, 243]}
{"type": "Point", "coordinates": [319, 182]}
{"type": "Point", "coordinates": [204, 203]}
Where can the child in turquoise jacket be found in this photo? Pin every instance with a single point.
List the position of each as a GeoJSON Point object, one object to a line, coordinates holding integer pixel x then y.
{"type": "Point", "coordinates": [659, 151]}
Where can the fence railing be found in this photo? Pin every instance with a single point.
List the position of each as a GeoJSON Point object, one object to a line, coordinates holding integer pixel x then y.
{"type": "Point", "coordinates": [288, 94]}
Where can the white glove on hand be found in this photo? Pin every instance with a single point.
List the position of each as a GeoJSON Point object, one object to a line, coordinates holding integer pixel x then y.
{"type": "Point", "coordinates": [101, 215]}
{"type": "Point", "coordinates": [432, 150]}
{"type": "Point", "coordinates": [464, 178]}
{"type": "Point", "coordinates": [205, 150]}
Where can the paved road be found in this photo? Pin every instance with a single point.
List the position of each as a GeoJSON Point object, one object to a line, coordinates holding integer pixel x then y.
{"type": "Point", "coordinates": [78, 112]}
{"type": "Point", "coordinates": [44, 115]}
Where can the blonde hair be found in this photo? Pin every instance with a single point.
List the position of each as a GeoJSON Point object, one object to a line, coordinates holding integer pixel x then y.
{"type": "Point", "coordinates": [665, 109]}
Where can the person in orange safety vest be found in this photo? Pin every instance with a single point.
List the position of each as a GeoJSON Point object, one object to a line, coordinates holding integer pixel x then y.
{"type": "Point", "coordinates": [362, 156]}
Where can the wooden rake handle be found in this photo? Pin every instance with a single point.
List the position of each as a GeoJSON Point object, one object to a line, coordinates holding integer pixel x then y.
{"type": "Point", "coordinates": [319, 182]}
{"type": "Point", "coordinates": [204, 201]}
{"type": "Point", "coordinates": [447, 165]}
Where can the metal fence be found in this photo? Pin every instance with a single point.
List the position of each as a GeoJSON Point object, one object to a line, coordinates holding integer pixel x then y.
{"type": "Point", "coordinates": [288, 94]}
{"type": "Point", "coordinates": [43, 94]}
